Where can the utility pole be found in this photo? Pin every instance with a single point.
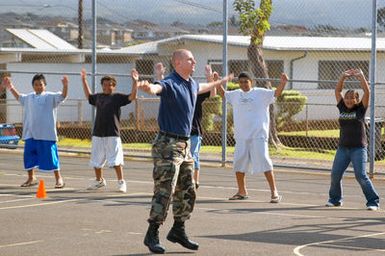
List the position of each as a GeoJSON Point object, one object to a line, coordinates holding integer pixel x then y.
{"type": "Point", "coordinates": [80, 24]}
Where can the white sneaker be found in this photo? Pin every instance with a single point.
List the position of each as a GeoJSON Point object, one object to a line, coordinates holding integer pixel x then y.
{"type": "Point", "coordinates": [96, 184]}
{"type": "Point", "coordinates": [122, 186]}
{"type": "Point", "coordinates": [276, 199]}
{"type": "Point", "coordinates": [372, 208]}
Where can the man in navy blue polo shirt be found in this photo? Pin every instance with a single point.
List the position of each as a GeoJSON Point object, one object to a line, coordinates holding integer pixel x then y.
{"type": "Point", "coordinates": [173, 164]}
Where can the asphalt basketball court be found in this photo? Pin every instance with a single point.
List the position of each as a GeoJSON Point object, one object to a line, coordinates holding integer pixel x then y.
{"type": "Point", "coordinates": [74, 221]}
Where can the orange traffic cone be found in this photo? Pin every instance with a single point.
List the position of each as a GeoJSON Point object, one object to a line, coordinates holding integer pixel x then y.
{"type": "Point", "coordinates": [40, 193]}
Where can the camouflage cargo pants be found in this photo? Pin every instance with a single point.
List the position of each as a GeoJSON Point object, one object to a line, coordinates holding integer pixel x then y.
{"type": "Point", "coordinates": [173, 179]}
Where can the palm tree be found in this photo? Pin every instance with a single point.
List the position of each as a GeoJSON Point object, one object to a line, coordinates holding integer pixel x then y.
{"type": "Point", "coordinates": [254, 22]}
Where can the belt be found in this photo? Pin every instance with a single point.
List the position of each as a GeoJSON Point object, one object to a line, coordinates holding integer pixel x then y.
{"type": "Point", "coordinates": [173, 135]}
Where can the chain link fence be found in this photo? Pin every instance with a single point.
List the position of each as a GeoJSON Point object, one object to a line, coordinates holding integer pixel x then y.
{"type": "Point", "coordinates": [312, 41]}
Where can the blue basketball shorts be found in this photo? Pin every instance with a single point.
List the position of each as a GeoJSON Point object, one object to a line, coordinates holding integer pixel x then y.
{"type": "Point", "coordinates": [41, 154]}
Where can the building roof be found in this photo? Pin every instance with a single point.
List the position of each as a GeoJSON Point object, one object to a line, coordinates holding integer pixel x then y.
{"type": "Point", "coordinates": [41, 39]}
{"type": "Point", "coordinates": [279, 43]}
{"type": "Point", "coordinates": [145, 48]}
{"type": "Point", "coordinates": [296, 42]}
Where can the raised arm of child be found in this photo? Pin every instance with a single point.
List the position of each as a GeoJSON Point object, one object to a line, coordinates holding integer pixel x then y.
{"type": "Point", "coordinates": [135, 82]}
{"type": "Point", "coordinates": [148, 87]}
{"type": "Point", "coordinates": [364, 85]}
{"type": "Point", "coordinates": [341, 83]}
{"type": "Point", "coordinates": [64, 91]}
{"type": "Point", "coordinates": [160, 70]}
{"type": "Point", "coordinates": [86, 88]}
{"type": "Point", "coordinates": [281, 85]}
{"type": "Point", "coordinates": [7, 82]}
{"type": "Point", "coordinates": [210, 77]}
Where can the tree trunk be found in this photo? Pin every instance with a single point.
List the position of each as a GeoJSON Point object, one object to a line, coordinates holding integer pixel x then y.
{"type": "Point", "coordinates": [259, 69]}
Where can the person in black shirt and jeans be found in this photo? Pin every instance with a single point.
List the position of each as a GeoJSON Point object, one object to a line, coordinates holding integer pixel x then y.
{"type": "Point", "coordinates": [353, 142]}
{"type": "Point", "coordinates": [196, 129]}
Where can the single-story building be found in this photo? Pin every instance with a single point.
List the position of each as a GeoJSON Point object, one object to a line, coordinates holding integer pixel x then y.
{"type": "Point", "coordinates": [307, 61]}
{"type": "Point", "coordinates": [313, 63]}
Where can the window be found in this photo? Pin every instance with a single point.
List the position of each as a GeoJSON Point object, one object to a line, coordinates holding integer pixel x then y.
{"type": "Point", "coordinates": [275, 67]}
{"type": "Point", "coordinates": [145, 68]}
{"type": "Point", "coordinates": [331, 71]}
{"type": "Point", "coordinates": [237, 66]}
{"type": "Point", "coordinates": [216, 66]}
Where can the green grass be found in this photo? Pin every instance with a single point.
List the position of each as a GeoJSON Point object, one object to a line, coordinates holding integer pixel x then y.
{"type": "Point", "coordinates": [74, 143]}
{"type": "Point", "coordinates": [282, 152]}
{"type": "Point", "coordinates": [141, 146]}
{"type": "Point", "coordinates": [319, 133]}
{"type": "Point", "coordinates": [300, 153]}
{"type": "Point", "coordinates": [314, 133]}
{"type": "Point", "coordinates": [77, 143]}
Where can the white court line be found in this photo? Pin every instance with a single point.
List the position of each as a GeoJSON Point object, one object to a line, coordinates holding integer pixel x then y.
{"type": "Point", "coordinates": [213, 198]}
{"type": "Point", "coordinates": [15, 200]}
{"type": "Point", "coordinates": [21, 243]}
{"type": "Point", "coordinates": [135, 233]}
{"type": "Point", "coordinates": [203, 186]}
{"type": "Point", "coordinates": [70, 200]}
{"type": "Point", "coordinates": [15, 195]}
{"type": "Point", "coordinates": [201, 208]}
{"type": "Point", "coordinates": [280, 203]}
{"type": "Point", "coordinates": [41, 204]}
{"type": "Point", "coordinates": [299, 248]}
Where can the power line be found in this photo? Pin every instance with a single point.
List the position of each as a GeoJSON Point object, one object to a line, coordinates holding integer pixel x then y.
{"type": "Point", "coordinates": [200, 6]}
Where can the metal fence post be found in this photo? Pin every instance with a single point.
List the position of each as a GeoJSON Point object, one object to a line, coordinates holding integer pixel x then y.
{"type": "Point", "coordinates": [224, 67]}
{"type": "Point", "coordinates": [307, 119]}
{"type": "Point", "coordinates": [94, 59]}
{"type": "Point", "coordinates": [372, 75]}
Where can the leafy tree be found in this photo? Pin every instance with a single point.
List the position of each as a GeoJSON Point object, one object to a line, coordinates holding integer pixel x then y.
{"type": "Point", "coordinates": [254, 22]}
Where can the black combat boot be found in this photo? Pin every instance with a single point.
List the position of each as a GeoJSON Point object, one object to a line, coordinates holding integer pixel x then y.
{"type": "Point", "coordinates": [178, 235]}
{"type": "Point", "coordinates": [152, 239]}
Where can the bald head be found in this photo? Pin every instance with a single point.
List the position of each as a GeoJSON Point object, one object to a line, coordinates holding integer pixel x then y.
{"type": "Point", "coordinates": [178, 55]}
{"type": "Point", "coordinates": [183, 62]}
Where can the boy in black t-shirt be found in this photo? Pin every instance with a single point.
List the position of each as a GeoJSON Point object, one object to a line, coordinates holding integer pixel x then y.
{"type": "Point", "coordinates": [106, 142]}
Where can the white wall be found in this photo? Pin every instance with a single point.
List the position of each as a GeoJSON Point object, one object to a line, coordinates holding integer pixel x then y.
{"type": "Point", "coordinates": [303, 69]}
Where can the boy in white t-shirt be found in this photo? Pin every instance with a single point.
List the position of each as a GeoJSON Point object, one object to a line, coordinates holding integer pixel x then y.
{"type": "Point", "coordinates": [39, 127]}
{"type": "Point", "coordinates": [251, 131]}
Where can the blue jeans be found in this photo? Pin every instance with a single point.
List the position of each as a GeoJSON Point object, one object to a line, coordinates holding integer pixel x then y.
{"type": "Point", "coordinates": [196, 142]}
{"type": "Point", "coordinates": [358, 157]}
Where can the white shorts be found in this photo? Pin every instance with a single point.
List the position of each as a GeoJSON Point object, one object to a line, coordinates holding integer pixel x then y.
{"type": "Point", "coordinates": [106, 149]}
{"type": "Point", "coordinates": [252, 156]}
